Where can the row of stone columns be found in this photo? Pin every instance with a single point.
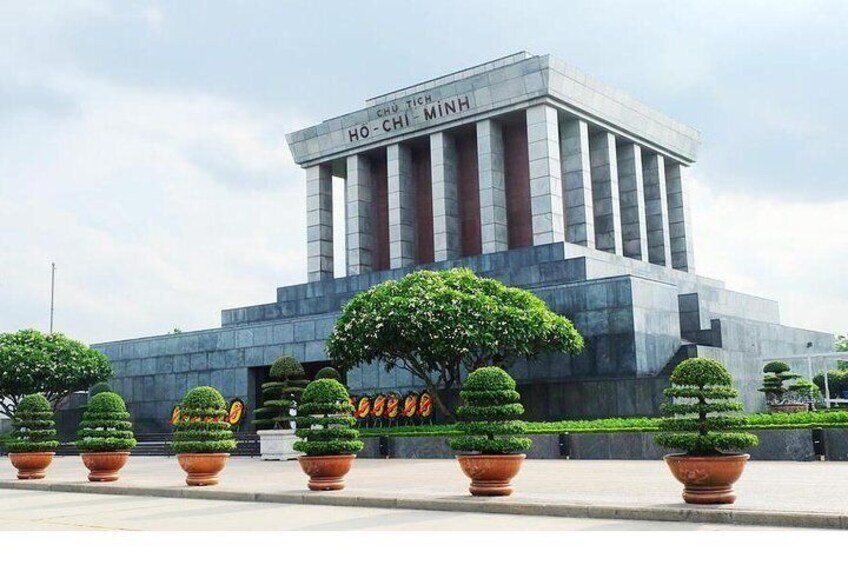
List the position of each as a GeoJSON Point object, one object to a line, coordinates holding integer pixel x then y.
{"type": "Point", "coordinates": [586, 187]}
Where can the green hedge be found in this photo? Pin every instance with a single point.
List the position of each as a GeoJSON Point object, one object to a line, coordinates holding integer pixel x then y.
{"type": "Point", "coordinates": [770, 421]}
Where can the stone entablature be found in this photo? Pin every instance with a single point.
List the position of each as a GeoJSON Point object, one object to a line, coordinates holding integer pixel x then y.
{"type": "Point", "coordinates": [489, 89]}
{"type": "Point", "coordinates": [520, 151]}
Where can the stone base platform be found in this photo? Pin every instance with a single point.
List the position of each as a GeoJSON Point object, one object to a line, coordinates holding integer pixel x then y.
{"type": "Point", "coordinates": [638, 319]}
{"type": "Point", "coordinates": [776, 494]}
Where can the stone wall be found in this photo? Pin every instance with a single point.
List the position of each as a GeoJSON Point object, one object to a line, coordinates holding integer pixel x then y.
{"type": "Point", "coordinates": [638, 320]}
{"type": "Point", "coordinates": [775, 445]}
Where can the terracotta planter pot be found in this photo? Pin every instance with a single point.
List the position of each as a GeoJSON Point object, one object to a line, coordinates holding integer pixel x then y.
{"type": "Point", "coordinates": [103, 466]}
{"type": "Point", "coordinates": [326, 472]}
{"type": "Point", "coordinates": [32, 465]}
{"type": "Point", "coordinates": [202, 468]}
{"type": "Point", "coordinates": [491, 474]}
{"type": "Point", "coordinates": [709, 479]}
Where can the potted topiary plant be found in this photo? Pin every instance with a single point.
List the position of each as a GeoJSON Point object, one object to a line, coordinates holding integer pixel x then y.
{"type": "Point", "coordinates": [202, 438]}
{"type": "Point", "coordinates": [274, 419]}
{"type": "Point", "coordinates": [105, 436]}
{"type": "Point", "coordinates": [777, 399]}
{"type": "Point", "coordinates": [491, 449]}
{"type": "Point", "coordinates": [699, 420]}
{"type": "Point", "coordinates": [33, 442]}
{"type": "Point", "coordinates": [328, 438]}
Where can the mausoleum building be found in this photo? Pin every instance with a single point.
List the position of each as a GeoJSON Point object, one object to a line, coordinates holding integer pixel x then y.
{"type": "Point", "coordinates": [524, 169]}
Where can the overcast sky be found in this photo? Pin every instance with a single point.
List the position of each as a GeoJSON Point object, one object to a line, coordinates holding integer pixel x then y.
{"type": "Point", "coordinates": [142, 143]}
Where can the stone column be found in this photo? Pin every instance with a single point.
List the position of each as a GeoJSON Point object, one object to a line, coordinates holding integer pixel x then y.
{"type": "Point", "coordinates": [577, 182]}
{"type": "Point", "coordinates": [402, 212]}
{"type": "Point", "coordinates": [443, 174]}
{"type": "Point", "coordinates": [605, 199]}
{"type": "Point", "coordinates": [631, 192]}
{"type": "Point", "coordinates": [319, 222]}
{"type": "Point", "coordinates": [656, 209]}
{"type": "Point", "coordinates": [490, 169]}
{"type": "Point", "coordinates": [679, 219]}
{"type": "Point", "coordinates": [545, 175]}
{"type": "Point", "coordinates": [359, 191]}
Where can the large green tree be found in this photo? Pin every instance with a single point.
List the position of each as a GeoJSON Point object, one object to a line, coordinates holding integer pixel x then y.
{"type": "Point", "coordinates": [438, 324]}
{"type": "Point", "coordinates": [52, 364]}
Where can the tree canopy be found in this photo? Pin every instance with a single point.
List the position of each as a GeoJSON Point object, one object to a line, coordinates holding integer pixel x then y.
{"type": "Point", "coordinates": [52, 364]}
{"type": "Point", "coordinates": [437, 324]}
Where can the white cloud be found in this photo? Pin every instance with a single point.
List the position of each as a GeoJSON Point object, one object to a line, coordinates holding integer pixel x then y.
{"type": "Point", "coordinates": [793, 252]}
{"type": "Point", "coordinates": [145, 239]}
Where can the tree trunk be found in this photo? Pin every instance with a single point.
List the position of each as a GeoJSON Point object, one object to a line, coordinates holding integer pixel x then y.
{"type": "Point", "coordinates": [437, 400]}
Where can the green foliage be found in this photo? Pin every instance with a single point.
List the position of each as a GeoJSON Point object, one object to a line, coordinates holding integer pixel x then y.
{"type": "Point", "coordinates": [280, 394]}
{"type": "Point", "coordinates": [51, 364]}
{"type": "Point", "coordinates": [489, 415]}
{"type": "Point", "coordinates": [837, 381]}
{"type": "Point", "coordinates": [776, 374]}
{"type": "Point", "coordinates": [33, 427]}
{"type": "Point", "coordinates": [328, 373]}
{"type": "Point", "coordinates": [804, 390]}
{"type": "Point", "coordinates": [438, 324]}
{"type": "Point", "coordinates": [202, 427]}
{"type": "Point", "coordinates": [776, 367]}
{"type": "Point", "coordinates": [765, 421]}
{"type": "Point", "coordinates": [698, 418]}
{"type": "Point", "coordinates": [287, 367]}
{"type": "Point", "coordinates": [97, 388]}
{"type": "Point", "coordinates": [106, 425]}
{"type": "Point", "coordinates": [324, 420]}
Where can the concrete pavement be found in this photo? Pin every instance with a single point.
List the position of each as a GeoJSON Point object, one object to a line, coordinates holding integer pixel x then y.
{"type": "Point", "coordinates": [770, 493]}
{"type": "Point", "coordinates": [33, 510]}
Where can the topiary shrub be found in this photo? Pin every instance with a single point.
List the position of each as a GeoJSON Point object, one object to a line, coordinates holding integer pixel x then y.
{"type": "Point", "coordinates": [776, 367]}
{"type": "Point", "coordinates": [280, 393]}
{"type": "Point", "coordinates": [97, 388]}
{"type": "Point", "coordinates": [106, 425]}
{"type": "Point", "coordinates": [803, 390]}
{"type": "Point", "coordinates": [490, 414]}
{"type": "Point", "coordinates": [328, 373]}
{"type": "Point", "coordinates": [202, 426]}
{"type": "Point", "coordinates": [698, 419]}
{"type": "Point", "coordinates": [33, 427]}
{"type": "Point", "coordinates": [776, 373]}
{"type": "Point", "coordinates": [324, 420]}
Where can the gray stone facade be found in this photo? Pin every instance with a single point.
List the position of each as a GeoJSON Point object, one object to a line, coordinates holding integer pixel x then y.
{"type": "Point", "coordinates": [594, 180]}
{"type": "Point", "coordinates": [638, 320]}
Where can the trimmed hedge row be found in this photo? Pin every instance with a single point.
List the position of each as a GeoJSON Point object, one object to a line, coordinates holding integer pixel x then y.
{"type": "Point", "coordinates": [764, 421]}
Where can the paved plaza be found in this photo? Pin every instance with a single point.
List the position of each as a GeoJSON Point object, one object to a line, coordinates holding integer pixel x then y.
{"type": "Point", "coordinates": [30, 510]}
{"type": "Point", "coordinates": [770, 493]}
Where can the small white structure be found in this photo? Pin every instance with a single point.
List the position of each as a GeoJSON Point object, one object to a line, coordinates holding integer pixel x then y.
{"type": "Point", "coordinates": [277, 445]}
